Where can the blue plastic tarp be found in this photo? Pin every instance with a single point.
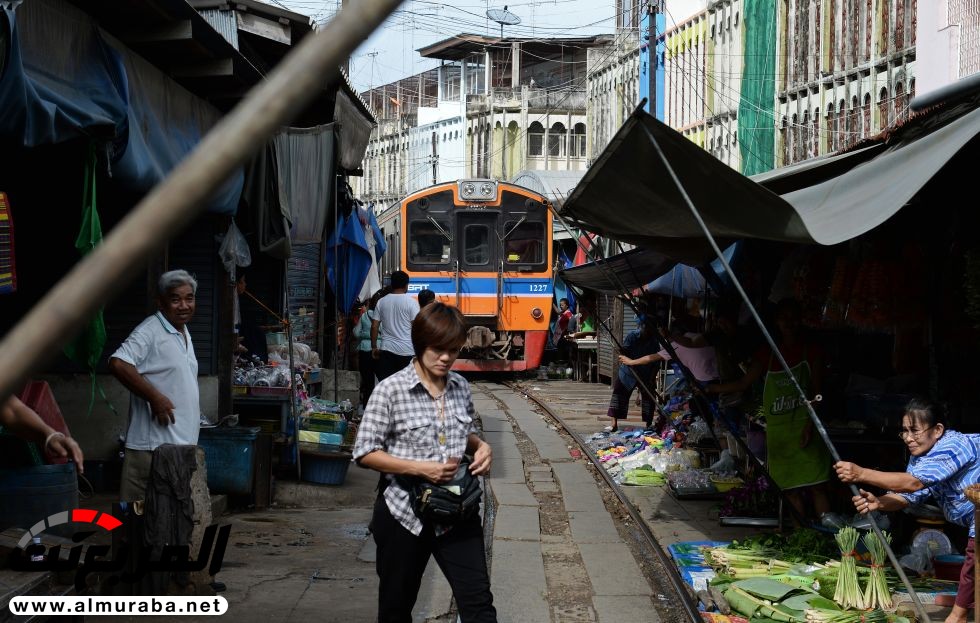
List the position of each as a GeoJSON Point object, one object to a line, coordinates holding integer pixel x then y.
{"type": "Point", "coordinates": [687, 281]}
{"type": "Point", "coordinates": [166, 122]}
{"type": "Point", "coordinates": [65, 79]}
{"type": "Point", "coordinates": [54, 92]}
{"type": "Point", "coordinates": [348, 261]}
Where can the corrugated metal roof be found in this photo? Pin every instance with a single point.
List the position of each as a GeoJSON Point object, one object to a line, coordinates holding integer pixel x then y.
{"type": "Point", "coordinates": [224, 22]}
{"type": "Point", "coordinates": [555, 185]}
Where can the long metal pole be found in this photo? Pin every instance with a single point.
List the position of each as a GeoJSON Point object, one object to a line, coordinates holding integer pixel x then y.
{"type": "Point", "coordinates": [176, 200]}
{"type": "Point", "coordinates": [652, 9]}
{"type": "Point", "coordinates": [804, 399]}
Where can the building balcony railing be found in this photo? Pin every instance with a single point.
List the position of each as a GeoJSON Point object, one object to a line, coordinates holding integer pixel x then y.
{"type": "Point", "coordinates": [521, 97]}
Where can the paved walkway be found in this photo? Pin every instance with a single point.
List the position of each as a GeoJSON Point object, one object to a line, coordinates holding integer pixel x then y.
{"type": "Point", "coordinates": [556, 553]}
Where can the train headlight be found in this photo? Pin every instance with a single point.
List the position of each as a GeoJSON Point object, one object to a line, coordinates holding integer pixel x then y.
{"type": "Point", "coordinates": [477, 190]}
{"type": "Point", "coordinates": [536, 313]}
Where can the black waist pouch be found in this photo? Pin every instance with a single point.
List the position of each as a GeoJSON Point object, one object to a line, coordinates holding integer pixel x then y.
{"type": "Point", "coordinates": [452, 502]}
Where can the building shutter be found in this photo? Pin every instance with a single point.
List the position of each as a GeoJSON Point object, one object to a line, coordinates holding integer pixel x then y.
{"type": "Point", "coordinates": [303, 282]}
{"type": "Point", "coordinates": [196, 251]}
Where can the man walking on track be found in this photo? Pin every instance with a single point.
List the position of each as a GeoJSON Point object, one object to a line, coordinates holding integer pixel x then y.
{"type": "Point", "coordinates": [393, 323]}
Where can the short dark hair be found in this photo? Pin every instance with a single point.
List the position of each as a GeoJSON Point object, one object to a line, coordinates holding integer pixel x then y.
{"type": "Point", "coordinates": [563, 300]}
{"type": "Point", "coordinates": [925, 412]}
{"type": "Point", "coordinates": [426, 296]}
{"type": "Point", "coordinates": [438, 326]}
{"type": "Point", "coordinates": [399, 279]}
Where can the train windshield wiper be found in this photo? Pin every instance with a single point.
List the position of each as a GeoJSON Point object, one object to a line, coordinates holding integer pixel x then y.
{"type": "Point", "coordinates": [439, 227]}
{"type": "Point", "coordinates": [511, 230]}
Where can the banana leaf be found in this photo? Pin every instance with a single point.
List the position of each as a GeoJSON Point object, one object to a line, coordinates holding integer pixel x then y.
{"type": "Point", "coordinates": [798, 581]}
{"type": "Point", "coordinates": [767, 588]}
{"type": "Point", "coordinates": [742, 602]}
{"type": "Point", "coordinates": [779, 612]}
{"type": "Point", "coordinates": [806, 602]}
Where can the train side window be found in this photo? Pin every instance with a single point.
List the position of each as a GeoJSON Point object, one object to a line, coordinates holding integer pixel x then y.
{"type": "Point", "coordinates": [476, 242]}
{"type": "Point", "coordinates": [525, 244]}
{"type": "Point", "coordinates": [427, 244]}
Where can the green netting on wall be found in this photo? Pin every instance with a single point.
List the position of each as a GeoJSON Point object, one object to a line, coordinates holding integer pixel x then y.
{"type": "Point", "coordinates": [756, 107]}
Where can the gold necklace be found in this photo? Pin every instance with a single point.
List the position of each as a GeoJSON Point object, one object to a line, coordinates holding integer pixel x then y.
{"type": "Point", "coordinates": [441, 400]}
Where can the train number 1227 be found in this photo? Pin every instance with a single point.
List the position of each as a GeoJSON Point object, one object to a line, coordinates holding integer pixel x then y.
{"type": "Point", "coordinates": [538, 287]}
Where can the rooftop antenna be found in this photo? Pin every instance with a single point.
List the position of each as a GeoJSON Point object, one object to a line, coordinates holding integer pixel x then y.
{"type": "Point", "coordinates": [503, 17]}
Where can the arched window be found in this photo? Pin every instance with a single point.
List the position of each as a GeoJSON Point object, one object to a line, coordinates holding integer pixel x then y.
{"type": "Point", "coordinates": [901, 102]}
{"type": "Point", "coordinates": [577, 147]}
{"type": "Point", "coordinates": [866, 126]}
{"type": "Point", "coordinates": [854, 127]}
{"type": "Point", "coordinates": [832, 128]}
{"type": "Point", "coordinates": [556, 140]}
{"type": "Point", "coordinates": [535, 139]}
{"type": "Point", "coordinates": [794, 133]}
{"type": "Point", "coordinates": [815, 134]}
{"type": "Point", "coordinates": [883, 108]}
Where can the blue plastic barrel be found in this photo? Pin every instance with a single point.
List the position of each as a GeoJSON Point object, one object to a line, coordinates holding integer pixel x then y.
{"type": "Point", "coordinates": [230, 457]}
{"type": "Point", "coordinates": [29, 494]}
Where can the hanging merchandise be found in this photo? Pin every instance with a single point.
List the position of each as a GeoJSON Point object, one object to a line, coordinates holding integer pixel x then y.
{"type": "Point", "coordinates": [234, 250]}
{"type": "Point", "coordinates": [306, 158]}
{"type": "Point", "coordinates": [376, 247]}
{"type": "Point", "coordinates": [86, 349]}
{"type": "Point", "coordinates": [8, 267]}
{"type": "Point", "coordinates": [841, 282]}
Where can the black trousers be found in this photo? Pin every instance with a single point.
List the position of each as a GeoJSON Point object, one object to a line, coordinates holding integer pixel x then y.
{"type": "Point", "coordinates": [366, 366]}
{"type": "Point", "coordinates": [402, 558]}
{"type": "Point", "coordinates": [389, 363]}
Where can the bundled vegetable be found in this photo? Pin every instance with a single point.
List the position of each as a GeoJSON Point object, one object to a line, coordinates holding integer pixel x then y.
{"type": "Point", "coordinates": [848, 592]}
{"type": "Point", "coordinates": [849, 616]}
{"type": "Point", "coordinates": [741, 564]}
{"type": "Point", "coordinates": [876, 593]}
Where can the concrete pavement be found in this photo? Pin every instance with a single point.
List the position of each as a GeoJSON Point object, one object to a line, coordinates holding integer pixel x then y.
{"type": "Point", "coordinates": [556, 554]}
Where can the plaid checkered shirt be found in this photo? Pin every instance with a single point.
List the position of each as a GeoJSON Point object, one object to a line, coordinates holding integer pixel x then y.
{"type": "Point", "coordinates": [402, 419]}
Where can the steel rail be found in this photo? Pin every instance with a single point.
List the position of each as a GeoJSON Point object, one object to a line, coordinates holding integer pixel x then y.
{"type": "Point", "coordinates": [676, 582]}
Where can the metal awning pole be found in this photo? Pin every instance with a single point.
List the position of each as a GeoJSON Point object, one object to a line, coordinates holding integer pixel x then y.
{"type": "Point", "coordinates": [173, 203]}
{"type": "Point", "coordinates": [920, 611]}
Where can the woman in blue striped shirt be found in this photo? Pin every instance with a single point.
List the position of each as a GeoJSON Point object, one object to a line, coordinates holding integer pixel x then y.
{"type": "Point", "coordinates": [943, 464]}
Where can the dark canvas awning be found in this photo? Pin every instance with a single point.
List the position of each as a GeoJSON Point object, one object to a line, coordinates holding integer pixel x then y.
{"type": "Point", "coordinates": [629, 195]}
{"type": "Point", "coordinates": [630, 270]}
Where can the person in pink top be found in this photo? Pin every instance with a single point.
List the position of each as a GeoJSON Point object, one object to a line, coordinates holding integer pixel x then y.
{"type": "Point", "coordinates": [692, 350]}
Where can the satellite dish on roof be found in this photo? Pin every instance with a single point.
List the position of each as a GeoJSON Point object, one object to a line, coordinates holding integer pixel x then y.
{"type": "Point", "coordinates": [503, 17]}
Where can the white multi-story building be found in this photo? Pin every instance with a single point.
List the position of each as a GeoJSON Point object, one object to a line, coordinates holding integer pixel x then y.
{"type": "Point", "coordinates": [948, 42]}
{"type": "Point", "coordinates": [846, 72]}
{"type": "Point", "coordinates": [493, 108]}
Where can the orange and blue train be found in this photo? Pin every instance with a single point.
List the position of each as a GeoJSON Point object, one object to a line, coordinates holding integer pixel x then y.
{"type": "Point", "coordinates": [484, 246]}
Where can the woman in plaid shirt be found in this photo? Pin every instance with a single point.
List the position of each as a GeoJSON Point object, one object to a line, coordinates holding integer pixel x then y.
{"type": "Point", "coordinates": [419, 423]}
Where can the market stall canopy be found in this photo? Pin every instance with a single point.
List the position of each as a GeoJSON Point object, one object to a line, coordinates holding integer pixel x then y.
{"type": "Point", "coordinates": [643, 268]}
{"type": "Point", "coordinates": [630, 270]}
{"type": "Point", "coordinates": [629, 195]}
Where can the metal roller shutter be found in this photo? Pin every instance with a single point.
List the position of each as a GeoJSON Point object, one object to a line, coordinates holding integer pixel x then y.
{"type": "Point", "coordinates": [303, 280]}
{"type": "Point", "coordinates": [196, 251]}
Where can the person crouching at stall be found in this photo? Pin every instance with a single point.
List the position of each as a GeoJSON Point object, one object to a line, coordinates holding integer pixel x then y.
{"type": "Point", "coordinates": [943, 464]}
{"type": "Point", "coordinates": [417, 429]}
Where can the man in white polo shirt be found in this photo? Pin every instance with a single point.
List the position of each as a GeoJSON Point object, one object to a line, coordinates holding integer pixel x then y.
{"type": "Point", "coordinates": [395, 313]}
{"type": "Point", "coordinates": [157, 365]}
